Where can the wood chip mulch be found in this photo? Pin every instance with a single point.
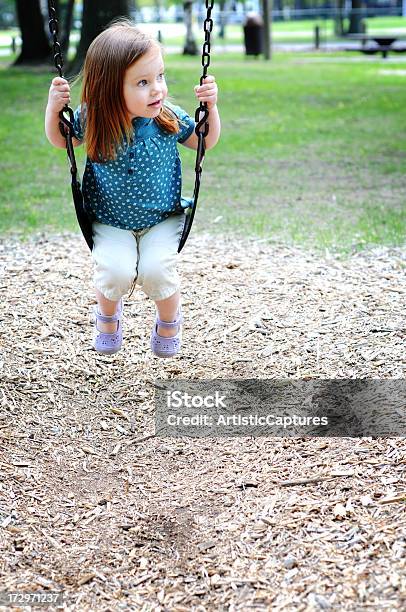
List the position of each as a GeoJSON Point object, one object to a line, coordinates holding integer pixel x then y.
{"type": "Point", "coordinates": [92, 503]}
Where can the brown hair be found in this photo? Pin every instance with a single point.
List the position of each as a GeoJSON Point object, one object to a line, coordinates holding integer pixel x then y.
{"type": "Point", "coordinates": [107, 59]}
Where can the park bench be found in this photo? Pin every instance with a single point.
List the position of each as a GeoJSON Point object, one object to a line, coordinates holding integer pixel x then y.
{"type": "Point", "coordinates": [376, 43]}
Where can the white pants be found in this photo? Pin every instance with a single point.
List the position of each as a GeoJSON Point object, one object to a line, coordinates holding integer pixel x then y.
{"type": "Point", "coordinates": [147, 258]}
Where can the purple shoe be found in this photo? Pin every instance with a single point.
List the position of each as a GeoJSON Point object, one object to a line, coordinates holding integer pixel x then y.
{"type": "Point", "coordinates": [162, 346]}
{"type": "Point", "coordinates": [108, 343]}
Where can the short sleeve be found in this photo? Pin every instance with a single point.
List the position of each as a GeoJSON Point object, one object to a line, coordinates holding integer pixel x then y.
{"type": "Point", "coordinates": [78, 126]}
{"type": "Point", "coordinates": [186, 123]}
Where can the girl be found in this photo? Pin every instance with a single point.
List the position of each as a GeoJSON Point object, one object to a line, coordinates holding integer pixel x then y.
{"type": "Point", "coordinates": [132, 179]}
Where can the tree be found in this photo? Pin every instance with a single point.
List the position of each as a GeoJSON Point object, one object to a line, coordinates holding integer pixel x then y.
{"type": "Point", "coordinates": [7, 14]}
{"type": "Point", "coordinates": [35, 48]}
{"type": "Point", "coordinates": [222, 19]}
{"type": "Point", "coordinates": [339, 29]}
{"type": "Point", "coordinates": [267, 13]}
{"type": "Point", "coordinates": [97, 14]}
{"type": "Point", "coordinates": [356, 23]}
{"type": "Point", "coordinates": [158, 10]}
{"type": "Point", "coordinates": [190, 47]}
{"type": "Point", "coordinates": [66, 20]}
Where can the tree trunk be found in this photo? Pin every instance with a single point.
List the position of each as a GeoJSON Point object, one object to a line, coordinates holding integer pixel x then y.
{"type": "Point", "coordinates": [35, 48]}
{"type": "Point", "coordinates": [97, 14]}
{"type": "Point", "coordinates": [267, 13]}
{"type": "Point", "coordinates": [339, 19]}
{"type": "Point", "coordinates": [158, 10]}
{"type": "Point", "coordinates": [67, 26]}
{"type": "Point", "coordinates": [356, 24]}
{"type": "Point", "coordinates": [190, 47]}
{"type": "Point", "coordinates": [222, 19]}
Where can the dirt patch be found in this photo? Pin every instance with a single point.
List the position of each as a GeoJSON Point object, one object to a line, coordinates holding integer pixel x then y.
{"type": "Point", "coordinates": [92, 503]}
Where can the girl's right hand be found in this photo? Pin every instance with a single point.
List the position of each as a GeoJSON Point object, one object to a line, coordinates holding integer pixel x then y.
{"type": "Point", "coordinates": [59, 94]}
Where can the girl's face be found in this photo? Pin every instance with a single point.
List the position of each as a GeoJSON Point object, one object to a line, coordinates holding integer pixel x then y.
{"type": "Point", "coordinates": [144, 85]}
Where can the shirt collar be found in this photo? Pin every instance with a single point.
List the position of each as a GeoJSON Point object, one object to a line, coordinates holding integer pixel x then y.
{"type": "Point", "coordinates": [143, 128]}
{"type": "Point", "coordinates": [140, 122]}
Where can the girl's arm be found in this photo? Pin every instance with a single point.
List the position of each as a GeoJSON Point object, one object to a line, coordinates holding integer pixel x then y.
{"type": "Point", "coordinates": [207, 93]}
{"type": "Point", "coordinates": [59, 95]}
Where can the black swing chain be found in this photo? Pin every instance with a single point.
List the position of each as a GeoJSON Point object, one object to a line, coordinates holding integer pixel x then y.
{"type": "Point", "coordinates": [201, 127]}
{"type": "Point", "coordinates": [202, 113]}
{"type": "Point", "coordinates": [67, 131]}
{"type": "Point", "coordinates": [65, 124]}
{"type": "Point", "coordinates": [54, 29]}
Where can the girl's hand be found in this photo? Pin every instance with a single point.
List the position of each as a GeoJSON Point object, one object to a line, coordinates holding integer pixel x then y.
{"type": "Point", "coordinates": [59, 94]}
{"type": "Point", "coordinates": [207, 92]}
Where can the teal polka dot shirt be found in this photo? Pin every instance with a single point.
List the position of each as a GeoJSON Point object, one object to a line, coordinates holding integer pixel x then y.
{"type": "Point", "coordinates": [142, 186]}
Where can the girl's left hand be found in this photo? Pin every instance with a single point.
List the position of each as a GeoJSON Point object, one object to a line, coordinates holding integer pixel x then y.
{"type": "Point", "coordinates": [207, 92]}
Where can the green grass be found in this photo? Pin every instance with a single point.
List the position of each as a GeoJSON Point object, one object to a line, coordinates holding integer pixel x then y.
{"type": "Point", "coordinates": [312, 151]}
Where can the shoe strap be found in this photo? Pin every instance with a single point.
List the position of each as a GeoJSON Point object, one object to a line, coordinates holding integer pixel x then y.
{"type": "Point", "coordinates": [107, 318]}
{"type": "Point", "coordinates": [170, 325]}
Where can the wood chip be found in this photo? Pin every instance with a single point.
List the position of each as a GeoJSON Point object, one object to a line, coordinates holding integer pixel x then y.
{"type": "Point", "coordinates": [96, 503]}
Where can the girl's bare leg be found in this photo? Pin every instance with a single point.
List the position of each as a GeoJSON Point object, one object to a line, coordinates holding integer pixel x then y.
{"type": "Point", "coordinates": [167, 310]}
{"type": "Point", "coordinates": [106, 307]}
